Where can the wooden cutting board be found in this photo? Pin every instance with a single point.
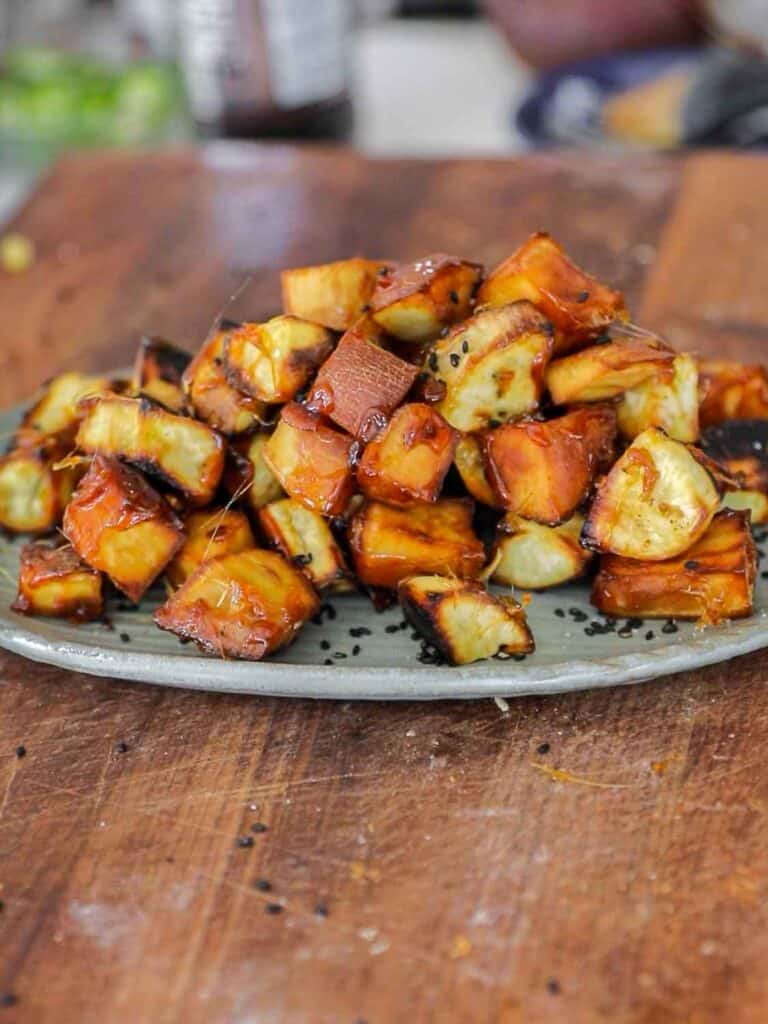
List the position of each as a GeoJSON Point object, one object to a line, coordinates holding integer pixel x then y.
{"type": "Point", "coordinates": [597, 856]}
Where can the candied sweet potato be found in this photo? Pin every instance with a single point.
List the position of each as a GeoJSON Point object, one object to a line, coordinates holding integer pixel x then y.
{"type": "Point", "coordinates": [34, 489]}
{"type": "Point", "coordinates": [600, 372]}
{"type": "Point", "coordinates": [210, 533]}
{"type": "Point", "coordinates": [158, 371]}
{"type": "Point", "coordinates": [711, 581]}
{"type": "Point", "coordinates": [245, 605]}
{"type": "Point", "coordinates": [306, 540]}
{"type": "Point", "coordinates": [470, 465]}
{"type": "Point", "coordinates": [332, 294]}
{"type": "Point", "coordinates": [656, 501]}
{"type": "Point", "coordinates": [389, 543]}
{"type": "Point", "coordinates": [545, 470]}
{"type": "Point", "coordinates": [184, 453]}
{"type": "Point", "coordinates": [492, 366]}
{"type": "Point", "coordinates": [415, 301]}
{"type": "Point", "coordinates": [247, 476]}
{"type": "Point", "coordinates": [407, 462]}
{"type": "Point", "coordinates": [274, 360]}
{"type": "Point", "coordinates": [731, 391]}
{"type": "Point", "coordinates": [57, 412]}
{"type": "Point", "coordinates": [669, 399]}
{"type": "Point", "coordinates": [212, 396]}
{"type": "Point", "coordinates": [463, 620]}
{"type": "Point", "coordinates": [360, 384]}
{"type": "Point", "coordinates": [54, 581]}
{"type": "Point", "coordinates": [119, 524]}
{"type": "Point", "coordinates": [312, 461]}
{"type": "Point", "coordinates": [534, 557]}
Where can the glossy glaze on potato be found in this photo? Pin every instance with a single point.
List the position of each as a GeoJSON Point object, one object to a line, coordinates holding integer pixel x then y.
{"type": "Point", "coordinates": [334, 295]}
{"type": "Point", "coordinates": [54, 581]}
{"type": "Point", "coordinates": [211, 395]}
{"type": "Point", "coordinates": [209, 533]}
{"type": "Point", "coordinates": [535, 557]}
{"type": "Point", "coordinates": [247, 477]}
{"type": "Point", "coordinates": [731, 391]}
{"type": "Point", "coordinates": [307, 541]}
{"type": "Point", "coordinates": [600, 372]}
{"type": "Point", "coordinates": [34, 488]}
{"type": "Point", "coordinates": [669, 399]}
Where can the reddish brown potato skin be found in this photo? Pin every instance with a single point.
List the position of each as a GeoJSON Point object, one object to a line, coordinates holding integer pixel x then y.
{"type": "Point", "coordinates": [212, 396]}
{"type": "Point", "coordinates": [731, 391]}
{"type": "Point", "coordinates": [113, 498]}
{"type": "Point", "coordinates": [312, 461]}
{"type": "Point", "coordinates": [360, 384]}
{"type": "Point", "coordinates": [41, 563]}
{"type": "Point", "coordinates": [388, 544]}
{"type": "Point", "coordinates": [710, 582]}
{"type": "Point", "coordinates": [545, 470]}
{"type": "Point", "coordinates": [407, 462]}
{"type": "Point", "coordinates": [433, 283]}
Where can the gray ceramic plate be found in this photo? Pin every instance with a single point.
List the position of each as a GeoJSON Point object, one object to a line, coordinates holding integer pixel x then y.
{"type": "Point", "coordinates": [386, 665]}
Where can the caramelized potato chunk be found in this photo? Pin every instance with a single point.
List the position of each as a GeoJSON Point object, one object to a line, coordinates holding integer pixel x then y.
{"type": "Point", "coordinates": [312, 461]}
{"type": "Point", "coordinates": [470, 464]}
{"type": "Point", "coordinates": [415, 301]}
{"type": "Point", "coordinates": [158, 371]}
{"type": "Point", "coordinates": [711, 581]}
{"type": "Point", "coordinates": [389, 544]}
{"type": "Point", "coordinates": [463, 620]}
{"type": "Point", "coordinates": [54, 581]}
{"type": "Point", "coordinates": [121, 526]}
{"type": "Point", "coordinates": [361, 383]}
{"type": "Point", "coordinates": [211, 395]}
{"type": "Point", "coordinates": [669, 400]}
{"type": "Point", "coordinates": [210, 533]}
{"type": "Point", "coordinates": [407, 462]}
{"type": "Point", "coordinates": [492, 366]}
{"type": "Point", "coordinates": [657, 500]}
{"type": "Point", "coordinates": [731, 391]}
{"type": "Point", "coordinates": [534, 557]}
{"type": "Point", "coordinates": [247, 475]}
{"type": "Point", "coordinates": [33, 494]}
{"type": "Point", "coordinates": [305, 539]}
{"type": "Point", "coordinates": [603, 371]}
{"type": "Point", "coordinates": [544, 471]}
{"type": "Point", "coordinates": [184, 453]}
{"type": "Point", "coordinates": [579, 307]}
{"type": "Point", "coordinates": [245, 605]}
{"type": "Point", "coordinates": [274, 360]}
{"type": "Point", "coordinates": [332, 294]}
{"type": "Point", "coordinates": [57, 413]}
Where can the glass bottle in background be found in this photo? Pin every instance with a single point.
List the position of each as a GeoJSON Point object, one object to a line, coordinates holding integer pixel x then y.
{"type": "Point", "coordinates": [267, 68]}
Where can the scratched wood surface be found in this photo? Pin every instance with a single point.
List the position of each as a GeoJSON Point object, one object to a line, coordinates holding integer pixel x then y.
{"type": "Point", "coordinates": [420, 863]}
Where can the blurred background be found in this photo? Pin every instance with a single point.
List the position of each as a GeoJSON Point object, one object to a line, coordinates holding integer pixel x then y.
{"type": "Point", "coordinates": [393, 77]}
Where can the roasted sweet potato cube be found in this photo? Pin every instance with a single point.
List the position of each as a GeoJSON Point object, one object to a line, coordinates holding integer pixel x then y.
{"type": "Point", "coordinates": [603, 371]}
{"type": "Point", "coordinates": [669, 399]}
{"type": "Point", "coordinates": [470, 465]}
{"type": "Point", "coordinates": [578, 306]}
{"type": "Point", "coordinates": [57, 413]}
{"type": "Point", "coordinates": [182, 452]}
{"type": "Point", "coordinates": [534, 557]}
{"type": "Point", "coordinates": [158, 371]}
{"type": "Point", "coordinates": [54, 581]}
{"type": "Point", "coordinates": [545, 470]}
{"type": "Point", "coordinates": [211, 395]}
{"type": "Point", "coordinates": [492, 366]}
{"type": "Point", "coordinates": [332, 294]}
{"type": "Point", "coordinates": [274, 360]}
{"type": "Point", "coordinates": [711, 581]}
{"type": "Point", "coordinates": [306, 540]}
{"type": "Point", "coordinates": [245, 605]}
{"type": "Point", "coordinates": [119, 524]}
{"type": "Point", "coordinates": [407, 462]}
{"type": "Point", "coordinates": [731, 391]}
{"type": "Point", "coordinates": [361, 383]}
{"type": "Point", "coordinates": [415, 301]}
{"type": "Point", "coordinates": [312, 461]}
{"type": "Point", "coordinates": [389, 543]}
{"type": "Point", "coordinates": [33, 493]}
{"type": "Point", "coordinates": [462, 620]}
{"type": "Point", "coordinates": [657, 500]}
{"type": "Point", "coordinates": [754, 502]}
{"type": "Point", "coordinates": [210, 533]}
{"type": "Point", "coordinates": [247, 477]}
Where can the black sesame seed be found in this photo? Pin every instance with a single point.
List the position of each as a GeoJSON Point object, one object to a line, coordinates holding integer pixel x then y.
{"type": "Point", "coordinates": [553, 987]}
{"type": "Point", "coordinates": [578, 615]}
{"type": "Point", "coordinates": [392, 628]}
{"type": "Point", "coordinates": [402, 624]}
{"type": "Point", "coordinates": [669, 627]}
{"type": "Point", "coordinates": [649, 635]}
{"type": "Point", "coordinates": [245, 841]}
{"type": "Point", "coordinates": [691, 564]}
{"type": "Point", "coordinates": [8, 999]}
{"type": "Point", "coordinates": [465, 346]}
{"type": "Point", "coordinates": [125, 637]}
{"type": "Point", "coordinates": [356, 650]}
{"type": "Point", "coordinates": [339, 654]}
{"type": "Point", "coordinates": [582, 296]}
{"type": "Point", "coordinates": [492, 422]}
{"type": "Point", "coordinates": [262, 885]}
{"type": "Point", "coordinates": [217, 361]}
{"type": "Point", "coordinates": [122, 747]}
{"type": "Point", "coordinates": [358, 631]}
{"type": "Point", "coordinates": [445, 331]}
{"type": "Point", "coordinates": [559, 613]}
{"type": "Point", "coordinates": [764, 575]}
{"type": "Point", "coordinates": [454, 359]}
{"type": "Point", "coordinates": [432, 362]}
{"type": "Point", "coordinates": [543, 748]}
{"type": "Point", "coordinates": [365, 308]}
{"type": "Point", "coordinates": [328, 661]}
{"type": "Point", "coordinates": [273, 908]}
{"type": "Point", "coordinates": [302, 559]}
{"type": "Point", "coordinates": [21, 751]}
{"type": "Point", "coordinates": [589, 631]}
{"type": "Point", "coordinates": [624, 633]}
{"type": "Point", "coordinates": [519, 657]}
{"type": "Point", "coordinates": [325, 645]}
{"type": "Point", "coordinates": [453, 296]}
{"type": "Point", "coordinates": [258, 827]}
{"type": "Point", "coordinates": [633, 623]}
{"type": "Point", "coordinates": [321, 910]}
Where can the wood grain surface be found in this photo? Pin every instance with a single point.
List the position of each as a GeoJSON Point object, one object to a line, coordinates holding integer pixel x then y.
{"type": "Point", "coordinates": [418, 863]}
